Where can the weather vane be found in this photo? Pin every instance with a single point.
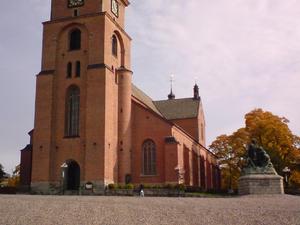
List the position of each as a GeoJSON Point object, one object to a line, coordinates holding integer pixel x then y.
{"type": "Point", "coordinates": [196, 79]}
{"type": "Point", "coordinates": [171, 95]}
{"type": "Point", "coordinates": [172, 81]}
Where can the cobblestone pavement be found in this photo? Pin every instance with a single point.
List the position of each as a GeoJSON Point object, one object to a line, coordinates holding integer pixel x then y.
{"type": "Point", "coordinates": [65, 210]}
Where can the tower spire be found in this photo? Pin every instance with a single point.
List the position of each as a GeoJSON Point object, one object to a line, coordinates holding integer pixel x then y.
{"type": "Point", "coordinates": [196, 90]}
{"type": "Point", "coordinates": [171, 95]}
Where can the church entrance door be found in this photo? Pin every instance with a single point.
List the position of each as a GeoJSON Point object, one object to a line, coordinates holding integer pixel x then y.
{"type": "Point", "coordinates": [72, 175]}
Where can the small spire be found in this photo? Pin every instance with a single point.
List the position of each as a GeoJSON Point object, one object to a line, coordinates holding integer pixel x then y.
{"type": "Point", "coordinates": [196, 80]}
{"type": "Point", "coordinates": [196, 91]}
{"type": "Point", "coordinates": [171, 95]}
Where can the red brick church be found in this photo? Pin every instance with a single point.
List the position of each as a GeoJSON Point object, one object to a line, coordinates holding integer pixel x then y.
{"type": "Point", "coordinates": [92, 125]}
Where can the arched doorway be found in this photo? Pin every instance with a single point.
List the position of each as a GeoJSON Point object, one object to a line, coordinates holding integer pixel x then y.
{"type": "Point", "coordinates": [71, 175]}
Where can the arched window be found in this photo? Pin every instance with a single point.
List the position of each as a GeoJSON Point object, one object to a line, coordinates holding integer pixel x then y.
{"type": "Point", "coordinates": [149, 158]}
{"type": "Point", "coordinates": [69, 70]}
{"type": "Point", "coordinates": [75, 40]}
{"type": "Point", "coordinates": [78, 69]}
{"type": "Point", "coordinates": [114, 47]}
{"type": "Point", "coordinates": [72, 111]}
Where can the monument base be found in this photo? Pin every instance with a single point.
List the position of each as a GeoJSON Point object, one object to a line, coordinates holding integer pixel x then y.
{"type": "Point", "coordinates": [257, 184]}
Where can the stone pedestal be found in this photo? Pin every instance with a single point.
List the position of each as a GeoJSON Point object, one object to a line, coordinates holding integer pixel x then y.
{"type": "Point", "coordinates": [261, 184]}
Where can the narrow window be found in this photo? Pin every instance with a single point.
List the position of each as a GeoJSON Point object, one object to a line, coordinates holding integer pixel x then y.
{"type": "Point", "coordinates": [149, 158]}
{"type": "Point", "coordinates": [75, 40]}
{"type": "Point", "coordinates": [114, 46]}
{"type": "Point", "coordinates": [78, 69]}
{"type": "Point", "coordinates": [69, 70]}
{"type": "Point", "coordinates": [76, 12]}
{"type": "Point", "coordinates": [72, 111]}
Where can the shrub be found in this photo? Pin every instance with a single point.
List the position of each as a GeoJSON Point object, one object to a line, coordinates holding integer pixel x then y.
{"type": "Point", "coordinates": [119, 186]}
{"type": "Point", "coordinates": [13, 181]}
{"type": "Point", "coordinates": [192, 189]}
{"type": "Point", "coordinates": [211, 191]}
{"type": "Point", "coordinates": [147, 186]}
{"type": "Point", "coordinates": [112, 186]}
{"type": "Point", "coordinates": [170, 186]}
{"type": "Point", "coordinates": [129, 186]}
{"type": "Point", "coordinates": [180, 187]}
{"type": "Point", "coordinates": [156, 186]}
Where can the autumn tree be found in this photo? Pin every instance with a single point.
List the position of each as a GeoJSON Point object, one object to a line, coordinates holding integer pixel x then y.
{"type": "Point", "coordinates": [230, 151]}
{"type": "Point", "coordinates": [228, 161]}
{"type": "Point", "coordinates": [14, 181]}
{"type": "Point", "coordinates": [272, 133]}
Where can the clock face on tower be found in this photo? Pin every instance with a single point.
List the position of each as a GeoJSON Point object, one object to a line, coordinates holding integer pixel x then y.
{"type": "Point", "coordinates": [75, 3]}
{"type": "Point", "coordinates": [115, 7]}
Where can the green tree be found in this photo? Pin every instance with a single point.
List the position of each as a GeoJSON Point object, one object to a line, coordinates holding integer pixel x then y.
{"type": "Point", "coordinates": [2, 173]}
{"type": "Point", "coordinates": [271, 132]}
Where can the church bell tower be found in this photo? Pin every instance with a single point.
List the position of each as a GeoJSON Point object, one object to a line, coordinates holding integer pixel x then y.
{"type": "Point", "coordinates": [82, 130]}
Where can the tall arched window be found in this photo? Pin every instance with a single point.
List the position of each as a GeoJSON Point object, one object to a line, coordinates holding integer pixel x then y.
{"type": "Point", "coordinates": [149, 158]}
{"type": "Point", "coordinates": [75, 40]}
{"type": "Point", "coordinates": [114, 46]}
{"type": "Point", "coordinates": [72, 111]}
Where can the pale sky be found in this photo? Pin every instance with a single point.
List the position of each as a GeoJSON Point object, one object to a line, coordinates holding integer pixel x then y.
{"type": "Point", "coordinates": [245, 54]}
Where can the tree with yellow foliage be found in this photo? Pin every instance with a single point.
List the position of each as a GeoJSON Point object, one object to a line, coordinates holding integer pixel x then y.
{"type": "Point", "coordinates": [272, 133]}
{"type": "Point", "coordinates": [14, 181]}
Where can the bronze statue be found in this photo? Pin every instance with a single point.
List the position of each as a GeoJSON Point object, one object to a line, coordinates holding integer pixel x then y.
{"type": "Point", "coordinates": [258, 161]}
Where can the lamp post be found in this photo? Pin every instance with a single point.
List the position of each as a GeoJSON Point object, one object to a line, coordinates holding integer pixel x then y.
{"type": "Point", "coordinates": [230, 157]}
{"type": "Point", "coordinates": [286, 172]}
{"type": "Point", "coordinates": [63, 167]}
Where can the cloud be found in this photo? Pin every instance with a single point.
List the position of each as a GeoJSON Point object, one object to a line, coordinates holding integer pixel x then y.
{"type": "Point", "coordinates": [244, 52]}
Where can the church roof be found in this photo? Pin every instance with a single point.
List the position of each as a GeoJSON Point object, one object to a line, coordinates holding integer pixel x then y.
{"type": "Point", "coordinates": [145, 99]}
{"type": "Point", "coordinates": [170, 109]}
{"type": "Point", "coordinates": [178, 108]}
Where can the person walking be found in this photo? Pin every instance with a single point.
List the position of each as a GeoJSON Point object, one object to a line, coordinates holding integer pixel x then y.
{"type": "Point", "coordinates": [141, 191]}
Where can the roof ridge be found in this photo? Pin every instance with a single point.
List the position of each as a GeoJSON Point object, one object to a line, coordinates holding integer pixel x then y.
{"type": "Point", "coordinates": [176, 99]}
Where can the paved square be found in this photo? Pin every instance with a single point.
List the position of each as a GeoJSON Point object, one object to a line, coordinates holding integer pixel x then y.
{"type": "Point", "coordinates": [65, 210]}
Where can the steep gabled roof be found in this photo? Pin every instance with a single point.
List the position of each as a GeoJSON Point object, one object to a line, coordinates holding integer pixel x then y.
{"type": "Point", "coordinates": [178, 108]}
{"type": "Point", "coordinates": [145, 99]}
{"type": "Point", "coordinates": [170, 109]}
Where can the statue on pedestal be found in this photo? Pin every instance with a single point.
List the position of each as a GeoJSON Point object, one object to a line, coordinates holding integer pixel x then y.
{"type": "Point", "coordinates": [259, 175]}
